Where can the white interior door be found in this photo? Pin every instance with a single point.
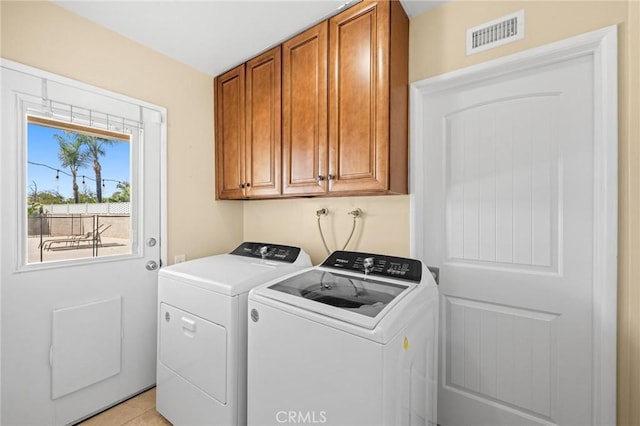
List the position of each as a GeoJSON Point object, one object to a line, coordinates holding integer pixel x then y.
{"type": "Point", "coordinates": [518, 214]}
{"type": "Point", "coordinates": [79, 316]}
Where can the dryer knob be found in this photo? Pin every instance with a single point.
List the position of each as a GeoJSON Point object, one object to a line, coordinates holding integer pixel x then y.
{"type": "Point", "coordinates": [167, 316]}
{"type": "Point", "coordinates": [255, 316]}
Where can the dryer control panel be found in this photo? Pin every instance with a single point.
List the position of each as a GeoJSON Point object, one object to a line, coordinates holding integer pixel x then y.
{"type": "Point", "coordinates": [376, 264]}
{"type": "Point", "coordinates": [267, 251]}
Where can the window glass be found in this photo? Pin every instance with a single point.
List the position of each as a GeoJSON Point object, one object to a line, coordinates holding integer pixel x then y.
{"type": "Point", "coordinates": [78, 192]}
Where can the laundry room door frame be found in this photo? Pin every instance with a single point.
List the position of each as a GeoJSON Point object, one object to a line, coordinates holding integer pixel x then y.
{"type": "Point", "coordinates": [602, 46]}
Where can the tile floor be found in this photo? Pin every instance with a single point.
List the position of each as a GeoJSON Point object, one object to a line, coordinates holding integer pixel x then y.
{"type": "Point", "coordinates": [137, 411]}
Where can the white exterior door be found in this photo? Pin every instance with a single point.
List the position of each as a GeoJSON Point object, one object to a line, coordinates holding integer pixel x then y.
{"type": "Point", "coordinates": [517, 208]}
{"type": "Point", "coordinates": [78, 331]}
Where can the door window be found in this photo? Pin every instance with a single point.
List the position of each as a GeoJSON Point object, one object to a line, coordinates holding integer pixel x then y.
{"type": "Point", "coordinates": [78, 190]}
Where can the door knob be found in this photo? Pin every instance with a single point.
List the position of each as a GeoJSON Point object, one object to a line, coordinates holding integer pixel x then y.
{"type": "Point", "coordinates": [151, 265]}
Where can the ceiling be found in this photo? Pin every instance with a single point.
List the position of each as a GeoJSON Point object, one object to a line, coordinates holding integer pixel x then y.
{"type": "Point", "coordinates": [213, 35]}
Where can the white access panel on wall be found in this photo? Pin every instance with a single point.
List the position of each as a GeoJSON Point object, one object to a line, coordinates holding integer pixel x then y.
{"type": "Point", "coordinates": [518, 164]}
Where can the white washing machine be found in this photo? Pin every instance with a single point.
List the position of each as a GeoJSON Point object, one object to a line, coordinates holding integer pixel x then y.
{"type": "Point", "coordinates": [202, 331]}
{"type": "Point", "coordinates": [350, 342]}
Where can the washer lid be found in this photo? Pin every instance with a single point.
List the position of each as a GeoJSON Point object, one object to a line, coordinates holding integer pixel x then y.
{"type": "Point", "coordinates": [344, 296]}
{"type": "Point", "coordinates": [366, 297]}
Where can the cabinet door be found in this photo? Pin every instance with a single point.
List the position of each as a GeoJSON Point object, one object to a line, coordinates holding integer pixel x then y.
{"type": "Point", "coordinates": [230, 133]}
{"type": "Point", "coordinates": [359, 98]}
{"type": "Point", "coordinates": [263, 145]}
{"type": "Point", "coordinates": [304, 109]}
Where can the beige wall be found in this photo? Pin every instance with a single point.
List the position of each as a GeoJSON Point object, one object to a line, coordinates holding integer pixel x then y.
{"type": "Point", "coordinates": [437, 38]}
{"type": "Point", "coordinates": [383, 228]}
{"type": "Point", "coordinates": [438, 46]}
{"type": "Point", "coordinates": [48, 37]}
{"type": "Point", "coordinates": [629, 228]}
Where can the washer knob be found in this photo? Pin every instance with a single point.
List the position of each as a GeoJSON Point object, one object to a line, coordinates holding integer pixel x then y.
{"type": "Point", "coordinates": [368, 264]}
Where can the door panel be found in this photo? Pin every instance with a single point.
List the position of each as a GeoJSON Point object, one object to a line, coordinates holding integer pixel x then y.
{"type": "Point", "coordinates": [36, 337]}
{"type": "Point", "coordinates": [502, 182]}
{"type": "Point", "coordinates": [501, 354]}
{"type": "Point", "coordinates": [85, 345]}
{"type": "Point", "coordinates": [510, 170]}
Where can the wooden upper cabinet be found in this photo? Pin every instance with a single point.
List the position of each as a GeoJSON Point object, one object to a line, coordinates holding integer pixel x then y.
{"type": "Point", "coordinates": [368, 78]}
{"type": "Point", "coordinates": [326, 113]}
{"type": "Point", "coordinates": [230, 133]}
{"type": "Point", "coordinates": [248, 129]}
{"type": "Point", "coordinates": [304, 112]}
{"type": "Point", "coordinates": [263, 145]}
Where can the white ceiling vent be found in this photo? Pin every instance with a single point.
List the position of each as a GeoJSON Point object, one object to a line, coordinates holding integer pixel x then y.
{"type": "Point", "coordinates": [500, 31]}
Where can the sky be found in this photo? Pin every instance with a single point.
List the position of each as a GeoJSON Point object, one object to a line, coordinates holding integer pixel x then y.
{"type": "Point", "coordinates": [43, 148]}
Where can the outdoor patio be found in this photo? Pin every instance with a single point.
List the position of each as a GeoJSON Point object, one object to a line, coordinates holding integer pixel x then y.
{"type": "Point", "coordinates": [63, 251]}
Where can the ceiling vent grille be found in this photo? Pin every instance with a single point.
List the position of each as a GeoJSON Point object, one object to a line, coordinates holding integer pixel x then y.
{"type": "Point", "coordinates": [500, 31]}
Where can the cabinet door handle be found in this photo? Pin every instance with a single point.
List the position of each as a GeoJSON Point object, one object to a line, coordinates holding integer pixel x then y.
{"type": "Point", "coordinates": [242, 185]}
{"type": "Point", "coordinates": [320, 178]}
{"type": "Point", "coordinates": [331, 177]}
{"type": "Point", "coordinates": [247, 185]}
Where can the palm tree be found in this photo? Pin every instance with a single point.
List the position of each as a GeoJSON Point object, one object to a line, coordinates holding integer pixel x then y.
{"type": "Point", "coordinates": [72, 156]}
{"type": "Point", "coordinates": [95, 149]}
{"type": "Point", "coordinates": [123, 194]}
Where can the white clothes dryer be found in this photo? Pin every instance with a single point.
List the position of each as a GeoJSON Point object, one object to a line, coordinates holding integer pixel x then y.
{"type": "Point", "coordinates": [350, 342]}
{"type": "Point", "coordinates": [202, 331]}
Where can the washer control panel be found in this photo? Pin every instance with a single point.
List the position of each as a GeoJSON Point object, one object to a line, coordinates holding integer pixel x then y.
{"type": "Point", "coordinates": [376, 264]}
{"type": "Point", "coordinates": [267, 251]}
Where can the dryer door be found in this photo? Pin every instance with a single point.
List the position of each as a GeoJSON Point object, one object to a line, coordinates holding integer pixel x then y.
{"type": "Point", "coordinates": [195, 349]}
